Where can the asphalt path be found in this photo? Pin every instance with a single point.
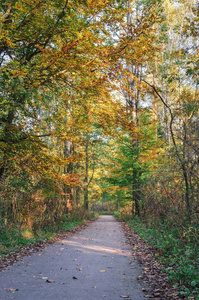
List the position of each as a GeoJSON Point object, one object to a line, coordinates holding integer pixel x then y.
{"type": "Point", "coordinates": [93, 264]}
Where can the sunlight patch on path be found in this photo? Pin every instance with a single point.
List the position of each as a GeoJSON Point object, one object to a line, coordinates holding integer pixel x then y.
{"type": "Point", "coordinates": [98, 248]}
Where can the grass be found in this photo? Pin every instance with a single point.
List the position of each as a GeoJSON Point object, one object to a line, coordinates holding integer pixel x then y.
{"type": "Point", "coordinates": [13, 238]}
{"type": "Point", "coordinates": [177, 249]}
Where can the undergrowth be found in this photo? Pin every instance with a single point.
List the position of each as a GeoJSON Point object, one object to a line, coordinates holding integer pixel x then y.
{"type": "Point", "coordinates": [105, 213]}
{"type": "Point", "coordinates": [13, 237]}
{"type": "Point", "coordinates": [177, 249]}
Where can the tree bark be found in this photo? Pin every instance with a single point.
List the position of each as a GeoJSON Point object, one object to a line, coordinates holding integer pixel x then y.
{"type": "Point", "coordinates": [86, 177]}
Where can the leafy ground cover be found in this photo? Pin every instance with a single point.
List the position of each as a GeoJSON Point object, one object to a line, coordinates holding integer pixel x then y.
{"type": "Point", "coordinates": [177, 252]}
{"type": "Point", "coordinates": [14, 238]}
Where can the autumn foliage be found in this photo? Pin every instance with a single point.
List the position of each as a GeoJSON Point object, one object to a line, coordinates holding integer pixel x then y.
{"type": "Point", "coordinates": [98, 108]}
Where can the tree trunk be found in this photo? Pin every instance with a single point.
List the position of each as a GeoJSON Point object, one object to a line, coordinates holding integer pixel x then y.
{"type": "Point", "coordinates": [67, 170]}
{"type": "Point", "coordinates": [8, 137]}
{"type": "Point", "coordinates": [86, 177]}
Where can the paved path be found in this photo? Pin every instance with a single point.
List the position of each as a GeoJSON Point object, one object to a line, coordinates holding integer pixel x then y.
{"type": "Point", "coordinates": [93, 264]}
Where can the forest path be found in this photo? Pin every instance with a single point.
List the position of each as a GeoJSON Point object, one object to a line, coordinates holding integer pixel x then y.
{"type": "Point", "coordinates": [93, 264]}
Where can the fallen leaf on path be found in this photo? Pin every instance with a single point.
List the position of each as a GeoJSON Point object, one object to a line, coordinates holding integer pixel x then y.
{"type": "Point", "coordinates": [94, 287]}
{"type": "Point", "coordinates": [124, 296]}
{"type": "Point", "coordinates": [102, 271]}
{"type": "Point", "coordinates": [79, 269]}
{"type": "Point", "coordinates": [11, 290]}
{"type": "Point", "coordinates": [50, 280]}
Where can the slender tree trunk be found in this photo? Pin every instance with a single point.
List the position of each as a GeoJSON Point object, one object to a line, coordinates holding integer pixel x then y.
{"type": "Point", "coordinates": [77, 196]}
{"type": "Point", "coordinates": [181, 158]}
{"type": "Point", "coordinates": [136, 196]}
{"type": "Point", "coordinates": [86, 177]}
{"type": "Point", "coordinates": [67, 170]}
{"type": "Point", "coordinates": [7, 134]}
{"type": "Point", "coordinates": [70, 171]}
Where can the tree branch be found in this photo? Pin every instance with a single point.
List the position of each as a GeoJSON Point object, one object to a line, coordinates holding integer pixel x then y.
{"type": "Point", "coordinates": [15, 141]}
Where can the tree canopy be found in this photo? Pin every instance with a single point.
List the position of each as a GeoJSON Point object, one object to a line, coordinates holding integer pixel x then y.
{"type": "Point", "coordinates": [99, 106]}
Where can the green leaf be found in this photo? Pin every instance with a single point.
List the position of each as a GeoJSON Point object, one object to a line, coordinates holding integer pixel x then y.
{"type": "Point", "coordinates": [193, 283]}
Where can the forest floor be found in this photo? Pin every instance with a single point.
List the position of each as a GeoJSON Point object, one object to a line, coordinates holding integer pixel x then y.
{"type": "Point", "coordinates": [153, 274]}
{"type": "Point", "coordinates": [96, 262]}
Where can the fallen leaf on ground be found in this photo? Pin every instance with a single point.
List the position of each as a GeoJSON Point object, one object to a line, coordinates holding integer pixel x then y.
{"type": "Point", "coordinates": [79, 269]}
{"type": "Point", "coordinates": [50, 280]}
{"type": "Point", "coordinates": [124, 296]}
{"type": "Point", "coordinates": [74, 277]}
{"type": "Point", "coordinates": [11, 290]}
{"type": "Point", "coordinates": [153, 272]}
{"type": "Point", "coordinates": [102, 271]}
